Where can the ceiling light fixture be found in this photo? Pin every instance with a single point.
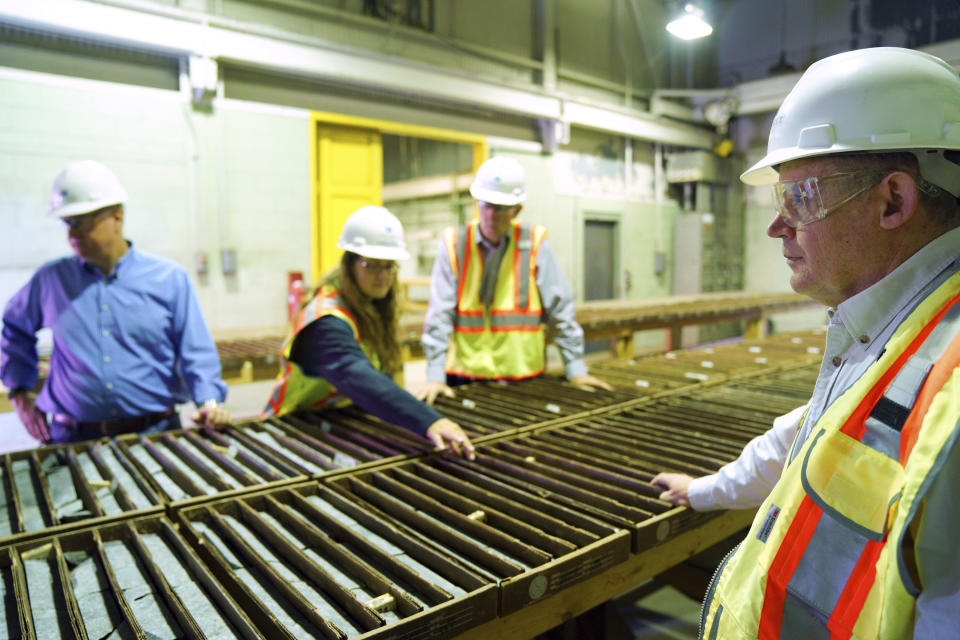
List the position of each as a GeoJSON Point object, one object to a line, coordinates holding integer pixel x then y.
{"type": "Point", "coordinates": [690, 24]}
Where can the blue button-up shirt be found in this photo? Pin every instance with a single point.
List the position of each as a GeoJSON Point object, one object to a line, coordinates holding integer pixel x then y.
{"type": "Point", "coordinates": [127, 344]}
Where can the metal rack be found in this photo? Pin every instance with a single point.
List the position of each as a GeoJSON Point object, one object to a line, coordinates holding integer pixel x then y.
{"type": "Point", "coordinates": [339, 526]}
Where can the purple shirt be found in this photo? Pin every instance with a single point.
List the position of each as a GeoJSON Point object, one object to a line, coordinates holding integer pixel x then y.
{"type": "Point", "coordinates": [127, 344]}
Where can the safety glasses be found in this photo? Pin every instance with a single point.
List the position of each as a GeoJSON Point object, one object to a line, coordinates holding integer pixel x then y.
{"type": "Point", "coordinates": [800, 202]}
{"type": "Point", "coordinates": [86, 221]}
{"type": "Point", "coordinates": [375, 268]}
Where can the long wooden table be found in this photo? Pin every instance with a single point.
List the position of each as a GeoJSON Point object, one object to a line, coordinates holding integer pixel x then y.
{"type": "Point", "coordinates": [257, 358]}
{"type": "Point", "coordinates": [615, 581]}
{"type": "Point", "coordinates": [619, 320]}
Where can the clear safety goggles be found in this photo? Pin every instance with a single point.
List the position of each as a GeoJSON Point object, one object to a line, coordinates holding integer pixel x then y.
{"type": "Point", "coordinates": [800, 202]}
{"type": "Point", "coordinates": [376, 267]}
{"type": "Point", "coordinates": [86, 221]}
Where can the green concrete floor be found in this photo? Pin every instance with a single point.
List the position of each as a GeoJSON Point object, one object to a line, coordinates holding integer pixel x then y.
{"type": "Point", "coordinates": [664, 608]}
{"type": "Point", "coordinates": [654, 611]}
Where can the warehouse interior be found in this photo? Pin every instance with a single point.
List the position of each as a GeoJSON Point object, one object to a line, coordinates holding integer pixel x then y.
{"type": "Point", "coordinates": [246, 131]}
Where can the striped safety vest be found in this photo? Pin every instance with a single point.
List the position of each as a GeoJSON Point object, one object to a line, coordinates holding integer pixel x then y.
{"type": "Point", "coordinates": [294, 390]}
{"type": "Point", "coordinates": [829, 554]}
{"type": "Point", "coordinates": [507, 340]}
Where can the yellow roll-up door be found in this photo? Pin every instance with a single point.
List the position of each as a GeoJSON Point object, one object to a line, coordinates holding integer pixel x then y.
{"type": "Point", "coordinates": [348, 175]}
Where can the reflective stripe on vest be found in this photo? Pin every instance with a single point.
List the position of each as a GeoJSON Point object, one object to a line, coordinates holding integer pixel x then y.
{"type": "Point", "coordinates": [831, 572]}
{"type": "Point", "coordinates": [505, 340]}
{"type": "Point", "coordinates": [470, 316]}
{"type": "Point", "coordinates": [794, 547]}
{"type": "Point", "coordinates": [295, 390]}
{"type": "Point", "coordinates": [522, 240]}
{"type": "Point", "coordinates": [498, 322]}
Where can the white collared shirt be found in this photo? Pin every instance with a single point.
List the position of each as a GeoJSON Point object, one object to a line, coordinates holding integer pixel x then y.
{"type": "Point", "coordinates": [857, 332]}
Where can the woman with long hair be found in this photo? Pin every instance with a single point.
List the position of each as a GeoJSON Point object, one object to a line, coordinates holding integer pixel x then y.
{"type": "Point", "coordinates": [344, 345]}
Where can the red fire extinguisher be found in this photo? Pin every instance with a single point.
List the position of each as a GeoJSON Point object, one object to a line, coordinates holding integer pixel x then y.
{"type": "Point", "coordinates": [295, 292]}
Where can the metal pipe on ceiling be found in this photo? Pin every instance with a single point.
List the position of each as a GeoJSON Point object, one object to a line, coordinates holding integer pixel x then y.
{"type": "Point", "coordinates": [180, 33]}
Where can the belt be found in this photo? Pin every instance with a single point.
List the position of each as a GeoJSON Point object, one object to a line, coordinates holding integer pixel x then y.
{"type": "Point", "coordinates": [115, 427]}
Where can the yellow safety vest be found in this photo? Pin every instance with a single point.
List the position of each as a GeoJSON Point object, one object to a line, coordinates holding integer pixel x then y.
{"type": "Point", "coordinates": [824, 557]}
{"type": "Point", "coordinates": [506, 340]}
{"type": "Point", "coordinates": [293, 389]}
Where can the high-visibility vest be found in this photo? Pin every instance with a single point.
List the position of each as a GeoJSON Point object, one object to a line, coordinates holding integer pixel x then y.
{"type": "Point", "coordinates": [294, 390]}
{"type": "Point", "coordinates": [506, 340]}
{"type": "Point", "coordinates": [825, 557]}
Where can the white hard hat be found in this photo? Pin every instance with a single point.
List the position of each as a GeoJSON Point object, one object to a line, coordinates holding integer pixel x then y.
{"type": "Point", "coordinates": [84, 186]}
{"type": "Point", "coordinates": [500, 180]}
{"type": "Point", "coordinates": [373, 232]}
{"type": "Point", "coordinates": [870, 100]}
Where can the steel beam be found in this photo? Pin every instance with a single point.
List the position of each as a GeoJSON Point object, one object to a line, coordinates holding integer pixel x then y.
{"type": "Point", "coordinates": [179, 33]}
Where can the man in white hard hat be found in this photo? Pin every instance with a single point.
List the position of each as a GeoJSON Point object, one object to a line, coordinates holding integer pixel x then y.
{"type": "Point", "coordinates": [344, 347]}
{"type": "Point", "coordinates": [856, 532]}
{"type": "Point", "coordinates": [129, 339]}
{"type": "Point", "coordinates": [495, 283]}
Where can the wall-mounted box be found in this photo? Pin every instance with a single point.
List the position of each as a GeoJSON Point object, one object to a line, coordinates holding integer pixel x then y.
{"type": "Point", "coordinates": [694, 166]}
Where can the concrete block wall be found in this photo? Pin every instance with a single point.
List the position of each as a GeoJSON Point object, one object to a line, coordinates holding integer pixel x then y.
{"type": "Point", "coordinates": [49, 121]}
{"type": "Point", "coordinates": [236, 177]}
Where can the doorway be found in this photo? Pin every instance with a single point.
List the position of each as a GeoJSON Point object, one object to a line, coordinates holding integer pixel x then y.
{"type": "Point", "coordinates": [599, 267]}
{"type": "Point", "coordinates": [599, 252]}
{"type": "Point", "coordinates": [347, 170]}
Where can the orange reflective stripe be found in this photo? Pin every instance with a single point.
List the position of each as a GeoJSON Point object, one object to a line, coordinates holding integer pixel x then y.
{"type": "Point", "coordinates": [525, 376]}
{"type": "Point", "coordinates": [515, 328]}
{"type": "Point", "coordinates": [784, 564]}
{"type": "Point", "coordinates": [514, 312]}
{"type": "Point", "coordinates": [464, 329]}
{"type": "Point", "coordinates": [462, 279]}
{"type": "Point", "coordinates": [528, 267]}
{"type": "Point", "coordinates": [501, 329]}
{"type": "Point", "coordinates": [517, 272]}
{"type": "Point", "coordinates": [941, 371]}
{"type": "Point", "coordinates": [451, 241]}
{"type": "Point", "coordinates": [850, 602]}
{"type": "Point", "coordinates": [795, 541]}
{"type": "Point", "coordinates": [319, 403]}
{"type": "Point", "coordinates": [276, 397]}
{"type": "Point", "coordinates": [498, 320]}
{"type": "Point", "coordinates": [353, 321]}
{"type": "Point", "coordinates": [855, 426]}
